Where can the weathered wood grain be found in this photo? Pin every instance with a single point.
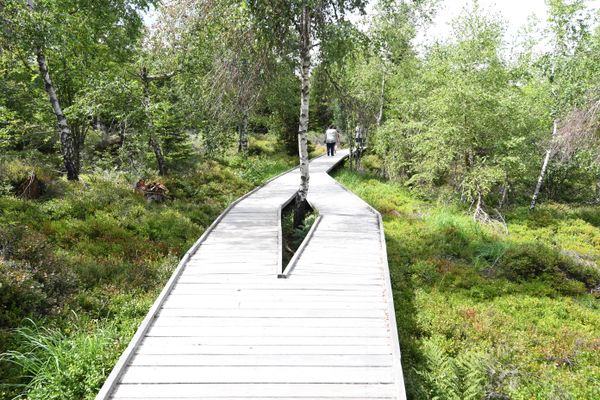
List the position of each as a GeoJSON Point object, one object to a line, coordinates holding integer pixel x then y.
{"type": "Point", "coordinates": [228, 328]}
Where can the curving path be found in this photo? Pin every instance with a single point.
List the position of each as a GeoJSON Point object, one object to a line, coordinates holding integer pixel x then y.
{"type": "Point", "coordinates": [225, 326]}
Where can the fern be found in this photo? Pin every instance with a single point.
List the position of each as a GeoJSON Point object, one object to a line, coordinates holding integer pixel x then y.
{"type": "Point", "coordinates": [471, 368]}
{"type": "Point", "coordinates": [463, 377]}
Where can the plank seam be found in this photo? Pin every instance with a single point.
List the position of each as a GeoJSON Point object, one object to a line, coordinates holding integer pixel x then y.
{"type": "Point", "coordinates": [390, 298]}
{"type": "Point", "coordinates": [292, 264]}
{"type": "Point", "coordinates": [117, 371]}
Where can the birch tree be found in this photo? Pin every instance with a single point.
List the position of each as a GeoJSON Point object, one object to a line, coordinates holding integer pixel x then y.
{"type": "Point", "coordinates": [302, 27]}
{"type": "Point", "coordinates": [146, 102]}
{"type": "Point", "coordinates": [568, 29]}
{"type": "Point", "coordinates": [65, 135]}
{"type": "Point", "coordinates": [239, 72]}
{"type": "Point", "coordinates": [72, 43]}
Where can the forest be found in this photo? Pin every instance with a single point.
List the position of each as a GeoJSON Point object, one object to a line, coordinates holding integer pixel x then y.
{"type": "Point", "coordinates": [128, 126]}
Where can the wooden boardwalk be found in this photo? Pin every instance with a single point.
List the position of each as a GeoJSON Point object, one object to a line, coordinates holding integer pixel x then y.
{"type": "Point", "coordinates": [227, 327]}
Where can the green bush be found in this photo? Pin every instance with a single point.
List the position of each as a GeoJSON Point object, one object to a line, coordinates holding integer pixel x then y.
{"type": "Point", "coordinates": [532, 260]}
{"type": "Point", "coordinates": [21, 295]}
{"type": "Point", "coordinates": [15, 173]}
{"type": "Point", "coordinates": [483, 314]}
{"type": "Point", "coordinates": [261, 146]}
{"type": "Point", "coordinates": [27, 261]}
{"type": "Point", "coordinates": [97, 249]}
{"type": "Point", "coordinates": [372, 164]}
{"type": "Point", "coordinates": [257, 170]}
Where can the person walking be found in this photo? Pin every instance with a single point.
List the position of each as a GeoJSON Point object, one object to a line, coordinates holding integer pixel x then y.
{"type": "Point", "coordinates": [359, 137]}
{"type": "Point", "coordinates": [332, 137]}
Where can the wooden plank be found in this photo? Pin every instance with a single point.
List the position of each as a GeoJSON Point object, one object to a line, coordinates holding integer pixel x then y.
{"type": "Point", "coordinates": [274, 284]}
{"type": "Point", "coordinates": [230, 271]}
{"type": "Point", "coordinates": [257, 374]}
{"type": "Point", "coordinates": [269, 322]}
{"type": "Point", "coordinates": [274, 297]}
{"type": "Point", "coordinates": [274, 313]}
{"type": "Point", "coordinates": [258, 397]}
{"type": "Point", "coordinates": [275, 290]}
{"type": "Point", "coordinates": [278, 296]}
{"type": "Point", "coordinates": [232, 304]}
{"type": "Point", "coordinates": [298, 280]}
{"type": "Point", "coordinates": [265, 332]}
{"type": "Point", "coordinates": [304, 270]}
{"type": "Point", "coordinates": [153, 347]}
{"type": "Point", "coordinates": [257, 340]}
{"type": "Point", "coordinates": [306, 360]}
{"type": "Point", "coordinates": [286, 390]}
{"type": "Point", "coordinates": [206, 263]}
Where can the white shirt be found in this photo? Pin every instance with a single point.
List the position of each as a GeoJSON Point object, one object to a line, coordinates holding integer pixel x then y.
{"type": "Point", "coordinates": [359, 132]}
{"type": "Point", "coordinates": [331, 136]}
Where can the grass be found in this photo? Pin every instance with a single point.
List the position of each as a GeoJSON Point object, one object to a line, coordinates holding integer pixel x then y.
{"type": "Point", "coordinates": [481, 314]}
{"type": "Point", "coordinates": [293, 237]}
{"type": "Point", "coordinates": [81, 265]}
{"type": "Point", "coordinates": [484, 314]}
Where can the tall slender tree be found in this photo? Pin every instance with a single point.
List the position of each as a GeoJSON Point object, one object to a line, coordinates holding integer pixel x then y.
{"type": "Point", "coordinates": [73, 43]}
{"type": "Point", "coordinates": [569, 31]}
{"type": "Point", "coordinates": [146, 102]}
{"type": "Point", "coordinates": [70, 159]}
{"type": "Point", "coordinates": [303, 27]}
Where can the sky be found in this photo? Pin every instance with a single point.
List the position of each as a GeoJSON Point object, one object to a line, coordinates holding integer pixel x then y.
{"type": "Point", "coordinates": [515, 12]}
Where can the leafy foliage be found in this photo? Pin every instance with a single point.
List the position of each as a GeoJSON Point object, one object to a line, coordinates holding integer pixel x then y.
{"type": "Point", "coordinates": [482, 314]}
{"type": "Point", "coordinates": [98, 250]}
{"type": "Point", "coordinates": [492, 313]}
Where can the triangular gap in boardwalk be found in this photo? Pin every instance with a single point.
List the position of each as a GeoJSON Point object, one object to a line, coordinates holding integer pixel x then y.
{"type": "Point", "coordinates": [226, 327]}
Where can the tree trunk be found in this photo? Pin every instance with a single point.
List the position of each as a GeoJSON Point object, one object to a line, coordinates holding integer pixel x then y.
{"type": "Point", "coordinates": [305, 37]}
{"type": "Point", "coordinates": [152, 140]}
{"type": "Point", "coordinates": [504, 196]}
{"type": "Point", "coordinates": [243, 144]}
{"type": "Point", "coordinates": [381, 101]}
{"type": "Point", "coordinates": [67, 144]}
{"type": "Point", "coordinates": [540, 180]}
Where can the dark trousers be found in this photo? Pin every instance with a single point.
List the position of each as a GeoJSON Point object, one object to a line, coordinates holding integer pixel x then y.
{"type": "Point", "coordinates": [330, 149]}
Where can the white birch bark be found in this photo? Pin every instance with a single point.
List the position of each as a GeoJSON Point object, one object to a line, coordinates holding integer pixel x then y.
{"type": "Point", "coordinates": [381, 101]}
{"type": "Point", "coordinates": [304, 99]}
{"type": "Point", "coordinates": [67, 144]}
{"type": "Point", "coordinates": [243, 145]}
{"type": "Point", "coordinates": [540, 180]}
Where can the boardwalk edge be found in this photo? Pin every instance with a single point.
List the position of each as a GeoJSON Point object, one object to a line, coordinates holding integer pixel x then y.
{"type": "Point", "coordinates": [113, 378]}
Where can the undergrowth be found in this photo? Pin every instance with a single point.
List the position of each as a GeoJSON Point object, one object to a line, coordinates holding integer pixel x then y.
{"type": "Point", "coordinates": [81, 265]}
{"type": "Point", "coordinates": [487, 315]}
{"type": "Point", "coordinates": [293, 236]}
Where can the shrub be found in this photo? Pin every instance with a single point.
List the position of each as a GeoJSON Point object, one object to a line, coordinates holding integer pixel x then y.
{"type": "Point", "coordinates": [26, 260]}
{"type": "Point", "coordinates": [372, 164]}
{"type": "Point", "coordinates": [261, 146]}
{"type": "Point", "coordinates": [530, 261]}
{"type": "Point", "coordinates": [257, 170]}
{"type": "Point", "coordinates": [15, 177]}
{"type": "Point", "coordinates": [21, 294]}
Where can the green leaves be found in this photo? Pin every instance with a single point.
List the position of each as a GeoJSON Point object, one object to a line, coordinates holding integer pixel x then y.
{"type": "Point", "coordinates": [453, 378]}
